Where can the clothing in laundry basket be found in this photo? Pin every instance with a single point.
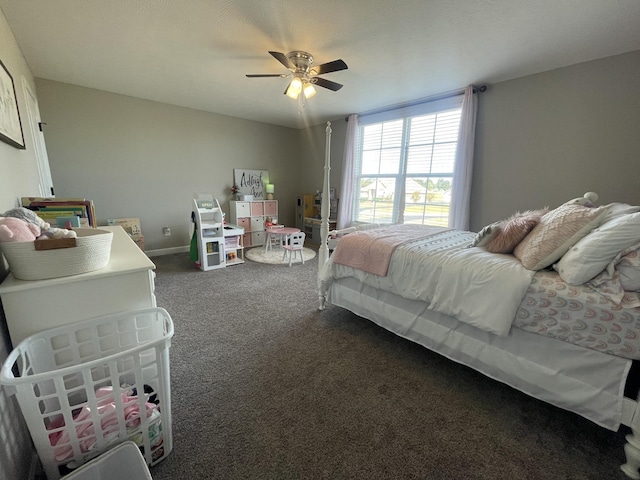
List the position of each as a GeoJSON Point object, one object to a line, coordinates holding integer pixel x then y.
{"type": "Point", "coordinates": [107, 410]}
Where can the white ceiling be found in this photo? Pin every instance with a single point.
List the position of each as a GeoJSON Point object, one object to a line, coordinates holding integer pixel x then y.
{"type": "Point", "coordinates": [195, 53]}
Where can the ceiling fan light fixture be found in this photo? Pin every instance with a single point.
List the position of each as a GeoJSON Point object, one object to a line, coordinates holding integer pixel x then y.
{"type": "Point", "coordinates": [295, 87]}
{"type": "Point", "coordinates": [308, 90]}
{"type": "Point", "coordinates": [304, 73]}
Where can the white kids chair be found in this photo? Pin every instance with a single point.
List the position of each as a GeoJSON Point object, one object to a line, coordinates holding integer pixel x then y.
{"type": "Point", "coordinates": [294, 246]}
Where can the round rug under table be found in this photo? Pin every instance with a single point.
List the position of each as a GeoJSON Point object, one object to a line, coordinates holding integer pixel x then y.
{"type": "Point", "coordinates": [274, 256]}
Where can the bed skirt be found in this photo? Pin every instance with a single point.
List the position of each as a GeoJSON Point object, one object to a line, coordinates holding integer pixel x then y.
{"type": "Point", "coordinates": [581, 380]}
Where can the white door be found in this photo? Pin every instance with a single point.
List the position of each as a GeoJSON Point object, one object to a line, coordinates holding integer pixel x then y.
{"type": "Point", "coordinates": [37, 136]}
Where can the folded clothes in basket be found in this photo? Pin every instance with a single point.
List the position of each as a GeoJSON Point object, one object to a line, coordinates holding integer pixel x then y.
{"type": "Point", "coordinates": [107, 411]}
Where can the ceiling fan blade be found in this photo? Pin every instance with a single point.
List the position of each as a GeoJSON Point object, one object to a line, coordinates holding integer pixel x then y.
{"type": "Point", "coordinates": [329, 67]}
{"type": "Point", "coordinates": [259, 75]}
{"type": "Point", "coordinates": [282, 58]}
{"type": "Point", "coordinates": [323, 82]}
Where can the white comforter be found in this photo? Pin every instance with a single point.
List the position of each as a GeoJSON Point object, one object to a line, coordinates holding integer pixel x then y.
{"type": "Point", "coordinates": [480, 288]}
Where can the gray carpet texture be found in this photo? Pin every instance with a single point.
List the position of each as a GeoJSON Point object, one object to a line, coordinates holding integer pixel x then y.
{"type": "Point", "coordinates": [266, 386]}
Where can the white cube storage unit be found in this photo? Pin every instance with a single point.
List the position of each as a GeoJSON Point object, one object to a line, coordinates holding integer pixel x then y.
{"type": "Point", "coordinates": [251, 216]}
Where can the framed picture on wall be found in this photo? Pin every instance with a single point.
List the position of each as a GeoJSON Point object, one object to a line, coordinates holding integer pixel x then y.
{"type": "Point", "coordinates": [251, 182]}
{"type": "Point", "coordinates": [10, 125]}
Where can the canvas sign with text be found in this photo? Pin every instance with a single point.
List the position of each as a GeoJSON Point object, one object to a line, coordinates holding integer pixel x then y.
{"type": "Point", "coordinates": [251, 182]}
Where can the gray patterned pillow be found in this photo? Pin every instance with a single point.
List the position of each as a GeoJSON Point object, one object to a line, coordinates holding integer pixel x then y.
{"type": "Point", "coordinates": [485, 235]}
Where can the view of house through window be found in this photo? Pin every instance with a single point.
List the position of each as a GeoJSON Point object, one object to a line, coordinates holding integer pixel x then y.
{"type": "Point", "coordinates": [404, 169]}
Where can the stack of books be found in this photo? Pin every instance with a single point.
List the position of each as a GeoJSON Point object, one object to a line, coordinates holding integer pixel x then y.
{"type": "Point", "coordinates": [63, 212]}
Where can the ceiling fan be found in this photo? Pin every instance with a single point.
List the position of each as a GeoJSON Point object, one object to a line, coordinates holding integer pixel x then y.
{"type": "Point", "coordinates": [305, 74]}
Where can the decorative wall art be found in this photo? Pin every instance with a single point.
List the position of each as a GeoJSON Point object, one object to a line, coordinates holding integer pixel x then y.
{"type": "Point", "coordinates": [10, 126]}
{"type": "Point", "coordinates": [251, 182]}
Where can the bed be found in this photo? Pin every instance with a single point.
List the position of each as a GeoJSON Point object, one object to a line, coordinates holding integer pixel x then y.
{"type": "Point", "coordinates": [545, 301]}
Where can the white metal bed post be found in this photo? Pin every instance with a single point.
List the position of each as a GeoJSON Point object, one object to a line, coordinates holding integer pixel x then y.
{"type": "Point", "coordinates": [323, 252]}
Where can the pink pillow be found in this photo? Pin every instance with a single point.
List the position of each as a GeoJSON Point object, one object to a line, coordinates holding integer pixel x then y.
{"type": "Point", "coordinates": [511, 232]}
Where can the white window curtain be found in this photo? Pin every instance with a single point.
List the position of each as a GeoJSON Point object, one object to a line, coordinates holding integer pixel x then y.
{"type": "Point", "coordinates": [459, 212]}
{"type": "Point", "coordinates": [345, 206]}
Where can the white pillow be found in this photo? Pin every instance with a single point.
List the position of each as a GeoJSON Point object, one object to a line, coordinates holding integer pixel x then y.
{"type": "Point", "coordinates": [629, 270]}
{"type": "Point", "coordinates": [614, 210]}
{"type": "Point", "coordinates": [590, 255]}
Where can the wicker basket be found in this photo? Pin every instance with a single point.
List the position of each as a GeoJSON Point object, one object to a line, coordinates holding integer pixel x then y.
{"type": "Point", "coordinates": [92, 252]}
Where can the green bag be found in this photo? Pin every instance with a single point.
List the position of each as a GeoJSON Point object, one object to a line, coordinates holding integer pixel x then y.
{"type": "Point", "coordinates": [193, 250]}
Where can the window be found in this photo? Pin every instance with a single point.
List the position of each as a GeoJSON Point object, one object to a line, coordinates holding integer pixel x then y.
{"type": "Point", "coordinates": [404, 164]}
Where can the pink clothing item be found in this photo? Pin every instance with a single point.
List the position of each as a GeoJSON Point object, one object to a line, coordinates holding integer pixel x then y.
{"type": "Point", "coordinates": [108, 422]}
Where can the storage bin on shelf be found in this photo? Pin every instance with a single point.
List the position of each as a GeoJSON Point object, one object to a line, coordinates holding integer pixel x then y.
{"type": "Point", "coordinates": [82, 387]}
{"type": "Point", "coordinates": [91, 251]}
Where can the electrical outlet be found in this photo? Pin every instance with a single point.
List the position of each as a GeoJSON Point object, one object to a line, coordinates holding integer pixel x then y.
{"type": "Point", "coordinates": [166, 231]}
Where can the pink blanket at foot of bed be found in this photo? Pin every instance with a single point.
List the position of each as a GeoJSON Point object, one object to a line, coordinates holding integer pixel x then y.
{"type": "Point", "coordinates": [371, 250]}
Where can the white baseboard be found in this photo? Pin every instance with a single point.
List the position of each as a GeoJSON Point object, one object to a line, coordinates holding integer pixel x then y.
{"type": "Point", "coordinates": [167, 251]}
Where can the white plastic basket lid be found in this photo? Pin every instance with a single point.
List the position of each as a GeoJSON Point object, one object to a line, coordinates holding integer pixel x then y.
{"type": "Point", "coordinates": [122, 461]}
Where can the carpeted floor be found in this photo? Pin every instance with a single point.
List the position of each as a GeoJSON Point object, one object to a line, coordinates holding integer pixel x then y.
{"type": "Point", "coordinates": [265, 386]}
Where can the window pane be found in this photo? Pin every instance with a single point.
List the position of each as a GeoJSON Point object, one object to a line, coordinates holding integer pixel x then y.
{"type": "Point", "coordinates": [376, 200]}
{"type": "Point", "coordinates": [447, 126]}
{"type": "Point", "coordinates": [371, 162]}
{"type": "Point", "coordinates": [372, 137]}
{"type": "Point", "coordinates": [419, 159]}
{"type": "Point", "coordinates": [390, 161]}
{"type": "Point", "coordinates": [392, 134]}
{"type": "Point", "coordinates": [444, 157]}
{"type": "Point", "coordinates": [427, 200]}
{"type": "Point", "coordinates": [422, 129]}
{"type": "Point", "coordinates": [438, 201]}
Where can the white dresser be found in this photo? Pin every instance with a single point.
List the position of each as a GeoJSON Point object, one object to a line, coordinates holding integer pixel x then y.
{"type": "Point", "coordinates": [126, 283]}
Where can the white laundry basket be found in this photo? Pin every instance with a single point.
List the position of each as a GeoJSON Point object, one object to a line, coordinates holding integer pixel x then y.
{"type": "Point", "coordinates": [86, 386]}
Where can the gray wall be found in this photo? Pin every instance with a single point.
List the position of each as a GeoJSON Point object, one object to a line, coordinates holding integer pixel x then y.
{"type": "Point", "coordinates": [540, 140]}
{"type": "Point", "coordinates": [547, 138]}
{"type": "Point", "coordinates": [18, 176]}
{"type": "Point", "coordinates": [137, 158]}
{"type": "Point", "coordinates": [312, 156]}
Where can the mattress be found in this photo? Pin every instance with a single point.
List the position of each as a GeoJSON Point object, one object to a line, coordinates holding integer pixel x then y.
{"type": "Point", "coordinates": [578, 315]}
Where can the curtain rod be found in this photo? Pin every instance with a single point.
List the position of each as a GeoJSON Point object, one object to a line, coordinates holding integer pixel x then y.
{"type": "Point", "coordinates": [432, 98]}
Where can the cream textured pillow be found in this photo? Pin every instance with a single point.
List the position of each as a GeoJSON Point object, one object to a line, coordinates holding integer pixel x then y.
{"type": "Point", "coordinates": [591, 255]}
{"type": "Point", "coordinates": [513, 230]}
{"type": "Point", "coordinates": [556, 233]}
